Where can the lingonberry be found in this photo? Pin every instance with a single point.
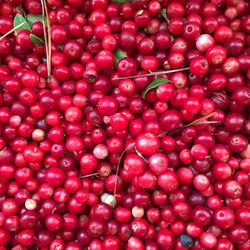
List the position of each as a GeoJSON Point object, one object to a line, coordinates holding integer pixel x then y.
{"type": "Point", "coordinates": [182, 210]}
{"type": "Point", "coordinates": [201, 182]}
{"type": "Point", "coordinates": [192, 30]}
{"type": "Point", "coordinates": [238, 234]}
{"type": "Point", "coordinates": [204, 42]}
{"type": "Point", "coordinates": [208, 240]}
{"type": "Point", "coordinates": [220, 153]}
{"type": "Point", "coordinates": [232, 189]}
{"type": "Point", "coordinates": [162, 40]}
{"type": "Point", "coordinates": [165, 92]}
{"type": "Point", "coordinates": [118, 122]}
{"type": "Point", "coordinates": [134, 164]}
{"type": "Point", "coordinates": [23, 39]}
{"type": "Point", "coordinates": [107, 106]}
{"type": "Point", "coordinates": [147, 144]}
{"type": "Point", "coordinates": [168, 181]}
{"type": "Point", "coordinates": [78, 137]}
{"type": "Point", "coordinates": [216, 55]}
{"type": "Point", "coordinates": [165, 238]}
{"type": "Point", "coordinates": [222, 34]}
{"type": "Point", "coordinates": [158, 163]}
{"type": "Point", "coordinates": [237, 142]}
{"type": "Point", "coordinates": [199, 66]}
{"type": "Point", "coordinates": [242, 95]}
{"type": "Point", "coordinates": [170, 120]}
{"type": "Point", "coordinates": [231, 66]}
{"type": "Point", "coordinates": [176, 60]}
{"type": "Point", "coordinates": [222, 171]}
{"type": "Point", "coordinates": [150, 63]}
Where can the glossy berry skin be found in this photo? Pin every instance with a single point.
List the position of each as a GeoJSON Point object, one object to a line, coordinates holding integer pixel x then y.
{"type": "Point", "coordinates": [126, 67]}
{"type": "Point", "coordinates": [126, 126]}
{"type": "Point", "coordinates": [147, 144]}
{"type": "Point", "coordinates": [134, 164]}
{"type": "Point", "coordinates": [208, 240]}
{"type": "Point", "coordinates": [168, 181]}
{"type": "Point", "coordinates": [199, 66]}
{"type": "Point", "coordinates": [170, 120]}
{"type": "Point", "coordinates": [158, 163]}
{"type": "Point", "coordinates": [105, 59]}
{"type": "Point", "coordinates": [216, 55]}
{"type": "Point", "coordinates": [107, 106]}
{"type": "Point", "coordinates": [224, 217]}
{"type": "Point", "coordinates": [23, 39]}
{"type": "Point", "coordinates": [165, 238]}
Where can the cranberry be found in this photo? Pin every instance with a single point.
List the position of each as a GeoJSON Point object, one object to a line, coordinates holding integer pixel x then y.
{"type": "Point", "coordinates": [208, 240]}
{"type": "Point", "coordinates": [199, 66]}
{"type": "Point", "coordinates": [170, 120]}
{"type": "Point", "coordinates": [88, 161]}
{"type": "Point", "coordinates": [164, 239]}
{"type": "Point", "coordinates": [147, 143]}
{"type": "Point", "coordinates": [238, 234]}
{"type": "Point", "coordinates": [168, 181]}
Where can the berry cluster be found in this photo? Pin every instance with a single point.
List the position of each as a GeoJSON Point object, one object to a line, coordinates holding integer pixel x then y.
{"type": "Point", "coordinates": [124, 124]}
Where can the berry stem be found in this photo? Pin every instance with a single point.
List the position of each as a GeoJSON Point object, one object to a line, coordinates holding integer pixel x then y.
{"type": "Point", "coordinates": [89, 175]}
{"type": "Point", "coordinates": [12, 30]}
{"type": "Point", "coordinates": [47, 35]}
{"type": "Point", "coordinates": [198, 121]}
{"type": "Point", "coordinates": [138, 153]}
{"type": "Point", "coordinates": [119, 163]}
{"type": "Point", "coordinates": [152, 74]}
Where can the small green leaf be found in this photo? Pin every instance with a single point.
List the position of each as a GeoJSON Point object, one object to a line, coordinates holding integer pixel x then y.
{"type": "Point", "coordinates": [34, 18]}
{"type": "Point", "coordinates": [154, 84]}
{"type": "Point", "coordinates": [121, 1]}
{"type": "Point", "coordinates": [119, 54]}
{"type": "Point", "coordinates": [36, 40]}
{"type": "Point", "coordinates": [163, 14]}
{"type": "Point", "coordinates": [19, 19]}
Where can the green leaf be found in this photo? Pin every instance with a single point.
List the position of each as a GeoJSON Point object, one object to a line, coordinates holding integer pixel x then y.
{"type": "Point", "coordinates": [36, 40]}
{"type": "Point", "coordinates": [34, 18]}
{"type": "Point", "coordinates": [18, 20]}
{"type": "Point", "coordinates": [154, 84]}
{"type": "Point", "coordinates": [163, 14]}
{"type": "Point", "coordinates": [121, 1]}
{"type": "Point", "coordinates": [119, 54]}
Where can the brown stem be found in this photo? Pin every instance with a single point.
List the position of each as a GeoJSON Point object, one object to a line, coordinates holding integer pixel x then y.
{"type": "Point", "coordinates": [89, 175]}
{"type": "Point", "coordinates": [49, 38]}
{"type": "Point", "coordinates": [47, 35]}
{"type": "Point", "coordinates": [193, 123]}
{"type": "Point", "coordinates": [12, 30]}
{"type": "Point", "coordinates": [152, 74]}
{"type": "Point", "coordinates": [119, 163]}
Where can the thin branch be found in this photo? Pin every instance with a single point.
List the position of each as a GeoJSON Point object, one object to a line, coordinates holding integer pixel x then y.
{"type": "Point", "coordinates": [198, 121]}
{"type": "Point", "coordinates": [139, 154]}
{"type": "Point", "coordinates": [49, 38]}
{"type": "Point", "coordinates": [119, 164]}
{"type": "Point", "coordinates": [47, 35]}
{"type": "Point", "coordinates": [12, 30]}
{"type": "Point", "coordinates": [89, 175]}
{"type": "Point", "coordinates": [152, 74]}
{"type": "Point", "coordinates": [202, 119]}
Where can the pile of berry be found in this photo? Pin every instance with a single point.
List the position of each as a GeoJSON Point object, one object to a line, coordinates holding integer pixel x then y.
{"type": "Point", "coordinates": [124, 124]}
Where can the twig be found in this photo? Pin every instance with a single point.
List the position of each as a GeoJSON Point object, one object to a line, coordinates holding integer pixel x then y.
{"type": "Point", "coordinates": [119, 163]}
{"type": "Point", "coordinates": [47, 35]}
{"type": "Point", "coordinates": [198, 121]}
{"type": "Point", "coordinates": [152, 74]}
{"type": "Point", "coordinates": [89, 175]}
{"type": "Point", "coordinates": [49, 39]}
{"type": "Point", "coordinates": [202, 119]}
{"type": "Point", "coordinates": [139, 154]}
{"type": "Point", "coordinates": [12, 30]}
